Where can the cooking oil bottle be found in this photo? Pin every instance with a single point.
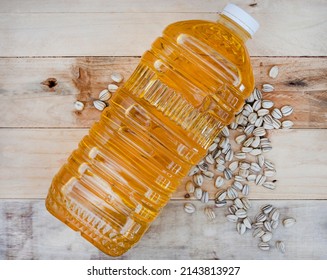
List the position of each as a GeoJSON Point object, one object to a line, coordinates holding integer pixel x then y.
{"type": "Point", "coordinates": [187, 87]}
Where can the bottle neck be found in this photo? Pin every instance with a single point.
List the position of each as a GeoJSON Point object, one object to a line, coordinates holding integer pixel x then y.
{"type": "Point", "coordinates": [238, 30]}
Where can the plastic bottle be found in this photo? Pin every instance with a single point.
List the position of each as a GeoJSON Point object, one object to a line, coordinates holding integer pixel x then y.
{"type": "Point", "coordinates": [184, 91]}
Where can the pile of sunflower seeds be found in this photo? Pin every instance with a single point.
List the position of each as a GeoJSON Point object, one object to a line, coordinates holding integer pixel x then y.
{"type": "Point", "coordinates": [104, 95]}
{"type": "Point", "coordinates": [237, 159]}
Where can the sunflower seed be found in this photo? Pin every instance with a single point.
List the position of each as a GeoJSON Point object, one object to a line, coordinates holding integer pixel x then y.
{"type": "Point", "coordinates": [256, 152]}
{"type": "Point", "coordinates": [243, 172]}
{"type": "Point", "coordinates": [116, 77]}
{"type": "Point", "coordinates": [241, 228]}
{"type": "Point", "coordinates": [205, 197]}
{"type": "Point", "coordinates": [112, 87]}
{"type": "Point", "coordinates": [267, 104]}
{"type": "Point", "coordinates": [249, 129]}
{"type": "Point", "coordinates": [228, 174]}
{"type": "Point", "coordinates": [212, 147]}
{"type": "Point", "coordinates": [255, 167]}
{"type": "Point", "coordinates": [246, 149]}
{"type": "Point", "coordinates": [257, 94]}
{"type": "Point", "coordinates": [240, 139]}
{"type": "Point", "coordinates": [259, 131]}
{"type": "Point", "coordinates": [237, 186]}
{"type": "Point", "coordinates": [203, 166]}
{"type": "Point", "coordinates": [260, 160]}
{"type": "Point", "coordinates": [244, 165]}
{"type": "Point", "coordinates": [232, 218]}
{"type": "Point", "coordinates": [287, 110]}
{"type": "Point", "coordinates": [289, 222]}
{"type": "Point", "coordinates": [269, 185]}
{"type": "Point", "coordinates": [198, 193]}
{"type": "Point", "coordinates": [233, 166]}
{"type": "Point", "coordinates": [263, 112]}
{"type": "Point", "coordinates": [238, 203]}
{"type": "Point", "coordinates": [241, 213]}
{"type": "Point", "coordinates": [232, 209]}
{"type": "Point", "coordinates": [246, 203]}
{"type": "Point", "coordinates": [256, 105]}
{"type": "Point", "coordinates": [240, 155]}
{"type": "Point", "coordinates": [220, 160]}
{"type": "Point", "coordinates": [223, 142]}
{"type": "Point", "coordinates": [245, 113]}
{"type": "Point", "coordinates": [251, 178]}
{"type": "Point", "coordinates": [267, 226]}
{"type": "Point", "coordinates": [208, 174]}
{"type": "Point", "coordinates": [266, 237]}
{"type": "Point", "coordinates": [193, 171]}
{"type": "Point", "coordinates": [250, 99]}
{"type": "Point", "coordinates": [256, 142]}
{"type": "Point", "coordinates": [220, 203]}
{"type": "Point", "coordinates": [198, 179]}
{"type": "Point", "coordinates": [79, 106]}
{"type": "Point", "coordinates": [276, 124]}
{"type": "Point", "coordinates": [258, 232]}
{"type": "Point", "coordinates": [216, 153]}
{"type": "Point", "coordinates": [270, 173]}
{"type": "Point", "coordinates": [189, 208]}
{"type": "Point", "coordinates": [245, 190]}
{"type": "Point", "coordinates": [248, 108]}
{"type": "Point", "coordinates": [231, 193]}
{"type": "Point", "coordinates": [260, 179]}
{"type": "Point", "coordinates": [210, 159]}
{"type": "Point", "coordinates": [240, 119]}
{"type": "Point", "coordinates": [274, 214]}
{"type": "Point", "coordinates": [258, 122]}
{"type": "Point", "coordinates": [287, 124]}
{"type": "Point", "coordinates": [280, 245]}
{"type": "Point", "coordinates": [229, 156]}
{"type": "Point", "coordinates": [104, 95]}
{"type": "Point", "coordinates": [264, 246]}
{"type": "Point", "coordinates": [267, 88]}
{"type": "Point", "coordinates": [220, 167]}
{"type": "Point", "coordinates": [233, 125]}
{"type": "Point", "coordinates": [239, 178]}
{"type": "Point", "coordinates": [266, 209]}
{"type": "Point", "coordinates": [225, 131]}
{"type": "Point", "coordinates": [100, 105]}
{"type": "Point", "coordinates": [208, 211]}
{"type": "Point", "coordinates": [219, 182]}
{"type": "Point", "coordinates": [268, 119]}
{"type": "Point", "coordinates": [189, 187]}
{"type": "Point", "coordinates": [277, 114]}
{"type": "Point", "coordinates": [268, 125]}
{"type": "Point", "coordinates": [269, 164]}
{"type": "Point", "coordinates": [252, 118]}
{"type": "Point", "coordinates": [273, 72]}
{"type": "Point", "coordinates": [216, 140]}
{"type": "Point", "coordinates": [247, 223]}
{"type": "Point", "coordinates": [220, 195]}
{"type": "Point", "coordinates": [257, 225]}
{"type": "Point", "coordinates": [261, 217]}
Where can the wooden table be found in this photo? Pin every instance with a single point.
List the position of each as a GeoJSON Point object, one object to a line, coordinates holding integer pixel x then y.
{"type": "Point", "coordinates": [53, 53]}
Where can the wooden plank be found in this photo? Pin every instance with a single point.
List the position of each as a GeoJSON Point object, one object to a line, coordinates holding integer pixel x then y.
{"type": "Point", "coordinates": [28, 231]}
{"type": "Point", "coordinates": [28, 102]}
{"type": "Point", "coordinates": [130, 34]}
{"type": "Point", "coordinates": [29, 158]}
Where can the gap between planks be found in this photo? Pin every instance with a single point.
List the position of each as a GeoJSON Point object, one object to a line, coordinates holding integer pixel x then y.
{"type": "Point", "coordinates": [30, 158]}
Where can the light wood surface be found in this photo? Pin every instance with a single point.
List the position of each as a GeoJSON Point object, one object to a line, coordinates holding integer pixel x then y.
{"type": "Point", "coordinates": [32, 233]}
{"type": "Point", "coordinates": [30, 158]}
{"type": "Point", "coordinates": [302, 82]}
{"type": "Point", "coordinates": [288, 28]}
{"type": "Point", "coordinates": [55, 52]}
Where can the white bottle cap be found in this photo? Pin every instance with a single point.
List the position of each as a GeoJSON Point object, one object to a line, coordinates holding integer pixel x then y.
{"type": "Point", "coordinates": [242, 18]}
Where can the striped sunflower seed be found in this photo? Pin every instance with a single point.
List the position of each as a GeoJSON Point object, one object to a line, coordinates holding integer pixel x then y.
{"type": "Point", "coordinates": [287, 110]}
{"type": "Point", "coordinates": [257, 94]}
{"type": "Point", "coordinates": [198, 193]}
{"type": "Point", "coordinates": [219, 204]}
{"type": "Point", "coordinates": [249, 129]}
{"type": "Point", "coordinates": [273, 72]}
{"type": "Point", "coordinates": [252, 118]}
{"type": "Point", "coordinates": [241, 213]}
{"type": "Point", "coordinates": [233, 166]}
{"type": "Point", "coordinates": [193, 171]}
{"type": "Point", "coordinates": [270, 173]}
{"type": "Point", "coordinates": [239, 178]}
{"type": "Point", "coordinates": [205, 197]}
{"type": "Point", "coordinates": [263, 112]}
{"type": "Point", "coordinates": [274, 214]}
{"type": "Point", "coordinates": [264, 246]}
{"type": "Point", "coordinates": [255, 167]}
{"type": "Point", "coordinates": [247, 223]}
{"type": "Point", "coordinates": [240, 139]}
{"type": "Point", "coordinates": [259, 131]}
{"type": "Point", "coordinates": [212, 147]}
{"type": "Point", "coordinates": [258, 122]}
{"type": "Point", "coordinates": [208, 174]}
{"type": "Point", "coordinates": [267, 104]}
{"type": "Point", "coordinates": [189, 208]}
{"type": "Point", "coordinates": [258, 232]}
{"type": "Point", "coordinates": [220, 195]}
{"type": "Point", "coordinates": [210, 159]}
{"type": "Point", "coordinates": [237, 186]}
{"type": "Point", "coordinates": [232, 218]}
{"type": "Point", "coordinates": [238, 203]}
{"type": "Point", "coordinates": [246, 203]}
{"type": "Point", "coordinates": [266, 237]}
{"type": "Point", "coordinates": [225, 131]}
{"type": "Point", "coordinates": [267, 226]}
{"type": "Point", "coordinates": [256, 105]}
{"type": "Point", "coordinates": [267, 88]}
{"type": "Point", "coordinates": [228, 173]}
{"type": "Point", "coordinates": [261, 217]}
{"type": "Point", "coordinates": [219, 182]}
{"type": "Point", "coordinates": [231, 193]}
{"type": "Point", "coordinates": [243, 172]}
{"type": "Point", "coordinates": [266, 209]}
{"type": "Point", "coordinates": [241, 228]}
{"type": "Point", "coordinates": [198, 179]}
{"type": "Point", "coordinates": [277, 114]}
{"type": "Point", "coordinates": [189, 187]}
{"type": "Point", "coordinates": [287, 124]}
{"type": "Point", "coordinates": [251, 177]}
{"type": "Point", "coordinates": [288, 222]}
{"type": "Point", "coordinates": [261, 160]}
{"type": "Point", "coordinates": [245, 190]}
{"type": "Point", "coordinates": [208, 211]}
{"type": "Point", "coordinates": [269, 185]}
{"type": "Point", "coordinates": [260, 179]}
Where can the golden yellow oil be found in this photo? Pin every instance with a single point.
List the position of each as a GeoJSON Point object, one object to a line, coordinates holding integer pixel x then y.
{"type": "Point", "coordinates": [187, 87]}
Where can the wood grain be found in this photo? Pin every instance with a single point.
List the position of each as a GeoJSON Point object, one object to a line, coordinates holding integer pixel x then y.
{"type": "Point", "coordinates": [29, 158]}
{"type": "Point", "coordinates": [113, 31]}
{"type": "Point", "coordinates": [30, 232]}
{"type": "Point", "coordinates": [27, 100]}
